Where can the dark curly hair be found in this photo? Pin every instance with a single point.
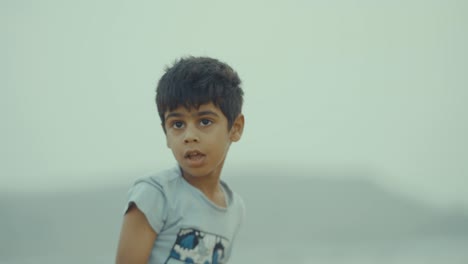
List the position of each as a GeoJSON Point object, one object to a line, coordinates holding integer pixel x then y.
{"type": "Point", "coordinates": [193, 81]}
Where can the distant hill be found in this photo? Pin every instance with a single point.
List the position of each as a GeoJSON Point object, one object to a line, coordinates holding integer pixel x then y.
{"type": "Point", "coordinates": [339, 211]}
{"type": "Point", "coordinates": [85, 222]}
{"type": "Point", "coordinates": [280, 208]}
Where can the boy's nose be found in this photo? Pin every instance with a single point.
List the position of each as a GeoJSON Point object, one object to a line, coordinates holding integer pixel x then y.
{"type": "Point", "coordinates": [190, 139]}
{"type": "Point", "coordinates": [190, 136]}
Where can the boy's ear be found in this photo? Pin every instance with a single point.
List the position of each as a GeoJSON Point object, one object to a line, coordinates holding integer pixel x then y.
{"type": "Point", "coordinates": [237, 128]}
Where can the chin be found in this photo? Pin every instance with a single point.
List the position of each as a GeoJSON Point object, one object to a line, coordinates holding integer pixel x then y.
{"type": "Point", "coordinates": [194, 172]}
{"type": "Point", "coordinates": [197, 172]}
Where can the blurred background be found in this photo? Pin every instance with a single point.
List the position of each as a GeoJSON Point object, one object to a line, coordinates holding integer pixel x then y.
{"type": "Point", "coordinates": [355, 148]}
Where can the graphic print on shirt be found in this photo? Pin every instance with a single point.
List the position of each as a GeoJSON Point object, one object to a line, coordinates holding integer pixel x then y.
{"type": "Point", "coordinates": [198, 247]}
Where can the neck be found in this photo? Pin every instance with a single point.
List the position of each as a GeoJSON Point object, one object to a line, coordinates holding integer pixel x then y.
{"type": "Point", "coordinates": [209, 185]}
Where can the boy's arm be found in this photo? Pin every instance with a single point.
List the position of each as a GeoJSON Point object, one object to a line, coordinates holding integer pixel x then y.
{"type": "Point", "coordinates": [136, 238]}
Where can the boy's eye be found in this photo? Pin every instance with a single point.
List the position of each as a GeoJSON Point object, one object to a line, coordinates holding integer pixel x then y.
{"type": "Point", "coordinates": [205, 122]}
{"type": "Point", "coordinates": [178, 124]}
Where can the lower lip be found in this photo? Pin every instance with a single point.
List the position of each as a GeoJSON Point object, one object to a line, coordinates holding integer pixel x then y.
{"type": "Point", "coordinates": [196, 161]}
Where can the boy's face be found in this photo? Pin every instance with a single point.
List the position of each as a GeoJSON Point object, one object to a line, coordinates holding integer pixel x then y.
{"type": "Point", "coordinates": [200, 139]}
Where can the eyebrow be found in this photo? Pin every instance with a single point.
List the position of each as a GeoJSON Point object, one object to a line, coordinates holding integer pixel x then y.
{"type": "Point", "coordinates": [202, 113]}
{"type": "Point", "coordinates": [174, 114]}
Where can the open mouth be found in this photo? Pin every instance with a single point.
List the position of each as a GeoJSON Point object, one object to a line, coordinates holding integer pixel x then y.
{"type": "Point", "coordinates": [194, 158]}
{"type": "Point", "coordinates": [193, 155]}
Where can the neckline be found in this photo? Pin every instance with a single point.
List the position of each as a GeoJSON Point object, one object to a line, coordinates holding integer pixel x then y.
{"type": "Point", "coordinates": [195, 190]}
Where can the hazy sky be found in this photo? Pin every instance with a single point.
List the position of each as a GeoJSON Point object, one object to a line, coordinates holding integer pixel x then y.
{"type": "Point", "coordinates": [378, 86]}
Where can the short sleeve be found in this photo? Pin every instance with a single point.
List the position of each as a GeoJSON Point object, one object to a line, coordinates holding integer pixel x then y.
{"type": "Point", "coordinates": [151, 201]}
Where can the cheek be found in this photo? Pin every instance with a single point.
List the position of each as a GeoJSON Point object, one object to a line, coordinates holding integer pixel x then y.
{"type": "Point", "coordinates": [220, 144]}
{"type": "Point", "coordinates": [170, 141]}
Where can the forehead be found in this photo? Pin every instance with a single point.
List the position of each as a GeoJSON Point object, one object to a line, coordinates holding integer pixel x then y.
{"type": "Point", "coordinates": [208, 107]}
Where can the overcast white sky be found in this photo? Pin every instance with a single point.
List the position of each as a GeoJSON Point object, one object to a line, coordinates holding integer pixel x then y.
{"type": "Point", "coordinates": [359, 85]}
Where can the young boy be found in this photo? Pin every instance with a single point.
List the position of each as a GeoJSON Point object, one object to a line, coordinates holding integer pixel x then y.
{"type": "Point", "coordinates": [187, 214]}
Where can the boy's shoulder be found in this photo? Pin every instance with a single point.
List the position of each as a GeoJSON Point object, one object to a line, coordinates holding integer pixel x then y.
{"type": "Point", "coordinates": [160, 179]}
{"type": "Point", "coordinates": [170, 183]}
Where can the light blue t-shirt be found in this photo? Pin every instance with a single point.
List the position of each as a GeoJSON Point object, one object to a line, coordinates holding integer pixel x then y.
{"type": "Point", "coordinates": [190, 228]}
